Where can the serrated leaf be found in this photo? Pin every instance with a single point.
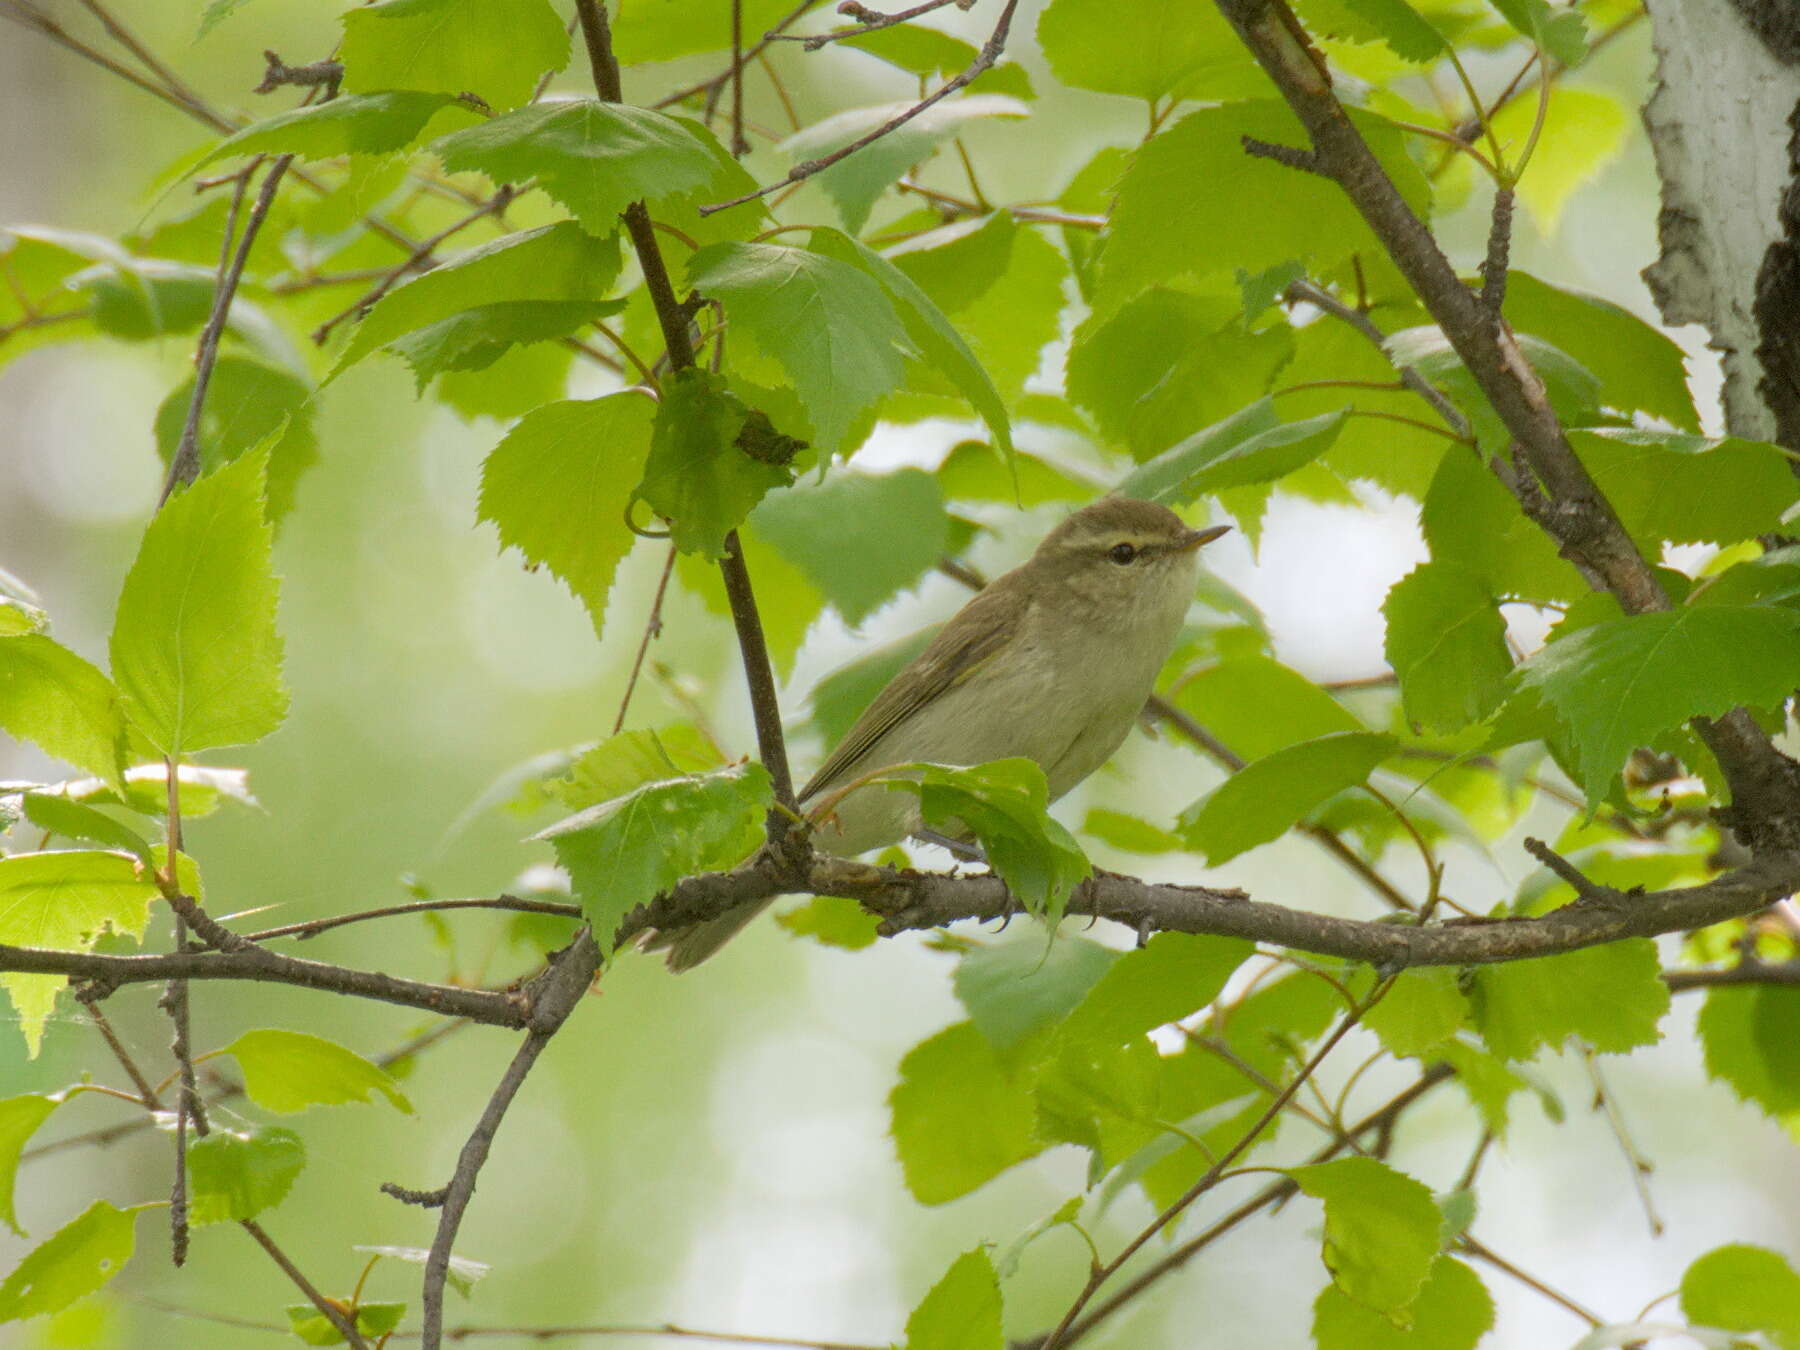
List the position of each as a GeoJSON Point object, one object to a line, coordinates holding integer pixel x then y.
{"type": "Point", "coordinates": [62, 902]}
{"type": "Point", "coordinates": [1572, 389]}
{"type": "Point", "coordinates": [623, 762]}
{"type": "Point", "coordinates": [855, 182]}
{"type": "Point", "coordinates": [289, 1071]}
{"type": "Point", "coordinates": [19, 1120]}
{"type": "Point", "coordinates": [1169, 365]}
{"type": "Point", "coordinates": [1583, 131]}
{"type": "Point", "coordinates": [195, 649]}
{"type": "Point", "coordinates": [936, 56]}
{"type": "Point", "coordinates": [1560, 32]}
{"type": "Point", "coordinates": [1446, 640]}
{"type": "Point", "coordinates": [894, 524]}
{"type": "Point", "coordinates": [1381, 1231]}
{"type": "Point", "coordinates": [830, 326]}
{"type": "Point", "coordinates": [1268, 796]}
{"type": "Point", "coordinates": [958, 1120]}
{"type": "Point", "coordinates": [1610, 996]}
{"type": "Point", "coordinates": [1162, 229]}
{"type": "Point", "coordinates": [556, 262]}
{"type": "Point", "coordinates": [1751, 1036]}
{"type": "Point", "coordinates": [962, 1311]}
{"type": "Point", "coordinates": [1249, 448]}
{"type": "Point", "coordinates": [595, 158]}
{"type": "Point", "coordinates": [73, 1262]}
{"type": "Point", "coordinates": [1640, 368]}
{"type": "Point", "coordinates": [1469, 518]}
{"type": "Point", "coordinates": [558, 485]}
{"type": "Point", "coordinates": [701, 475]}
{"type": "Point", "coordinates": [354, 124]}
{"type": "Point", "coordinates": [1143, 49]}
{"type": "Point", "coordinates": [833, 921]}
{"type": "Point", "coordinates": [60, 703]}
{"type": "Point", "coordinates": [1168, 978]}
{"type": "Point", "coordinates": [1677, 488]}
{"type": "Point", "coordinates": [1407, 33]}
{"type": "Point", "coordinates": [1744, 1288]}
{"type": "Point", "coordinates": [930, 332]}
{"type": "Point", "coordinates": [623, 852]}
{"type": "Point", "coordinates": [495, 49]}
{"type": "Point", "coordinates": [247, 403]}
{"type": "Point", "coordinates": [476, 338]}
{"type": "Point", "coordinates": [238, 1174]}
{"type": "Point", "coordinates": [1422, 1009]}
{"type": "Point", "coordinates": [1452, 1312]}
{"type": "Point", "coordinates": [1014, 989]}
{"type": "Point", "coordinates": [1621, 683]}
{"type": "Point", "coordinates": [1004, 804]}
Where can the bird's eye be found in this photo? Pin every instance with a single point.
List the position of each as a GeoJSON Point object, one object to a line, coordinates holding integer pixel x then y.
{"type": "Point", "coordinates": [1122, 553]}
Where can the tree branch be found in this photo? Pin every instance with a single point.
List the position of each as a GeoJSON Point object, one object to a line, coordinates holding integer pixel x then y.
{"type": "Point", "coordinates": [1765, 784]}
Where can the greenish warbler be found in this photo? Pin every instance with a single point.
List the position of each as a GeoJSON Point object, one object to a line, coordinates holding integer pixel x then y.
{"type": "Point", "coordinates": [1052, 662]}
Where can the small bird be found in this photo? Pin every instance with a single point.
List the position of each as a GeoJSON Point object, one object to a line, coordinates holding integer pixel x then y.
{"type": "Point", "coordinates": [1052, 662]}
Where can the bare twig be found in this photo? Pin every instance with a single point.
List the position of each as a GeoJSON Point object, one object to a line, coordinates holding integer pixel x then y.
{"type": "Point", "coordinates": [324, 75]}
{"type": "Point", "coordinates": [706, 86]}
{"type": "Point", "coordinates": [984, 60]}
{"type": "Point", "coordinates": [1641, 1167]}
{"type": "Point", "coordinates": [1493, 267]}
{"type": "Point", "coordinates": [1304, 292]}
{"type": "Point", "coordinates": [1481, 1251]}
{"type": "Point", "coordinates": [867, 21]}
{"type": "Point", "coordinates": [652, 627]}
{"type": "Point", "coordinates": [313, 927]}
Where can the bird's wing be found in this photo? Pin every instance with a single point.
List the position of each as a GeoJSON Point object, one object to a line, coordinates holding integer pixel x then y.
{"type": "Point", "coordinates": [971, 639]}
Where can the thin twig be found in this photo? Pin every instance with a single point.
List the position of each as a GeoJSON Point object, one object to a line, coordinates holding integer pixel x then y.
{"type": "Point", "coordinates": [1481, 1251]}
{"type": "Point", "coordinates": [313, 927]}
{"type": "Point", "coordinates": [1305, 292]}
{"type": "Point", "coordinates": [707, 85]}
{"type": "Point", "coordinates": [868, 21]}
{"type": "Point", "coordinates": [1641, 1167]}
{"type": "Point", "coordinates": [984, 60]}
{"type": "Point", "coordinates": [184, 464]}
{"type": "Point", "coordinates": [652, 627]}
{"type": "Point", "coordinates": [330, 1311]}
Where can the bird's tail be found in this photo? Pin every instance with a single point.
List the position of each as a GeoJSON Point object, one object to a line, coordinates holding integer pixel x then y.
{"type": "Point", "coordinates": [688, 947]}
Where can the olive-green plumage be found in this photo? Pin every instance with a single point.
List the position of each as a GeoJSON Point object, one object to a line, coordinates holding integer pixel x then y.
{"type": "Point", "coordinates": [1052, 662]}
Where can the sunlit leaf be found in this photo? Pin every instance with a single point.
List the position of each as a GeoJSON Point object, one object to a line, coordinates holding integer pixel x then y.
{"type": "Point", "coordinates": [289, 1071]}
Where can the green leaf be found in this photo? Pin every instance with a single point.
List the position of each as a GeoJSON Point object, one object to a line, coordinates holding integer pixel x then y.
{"type": "Point", "coordinates": [354, 124]}
{"type": "Point", "coordinates": [660, 30]}
{"type": "Point", "coordinates": [289, 1071]}
{"type": "Point", "coordinates": [59, 815]}
{"type": "Point", "coordinates": [855, 182]}
{"type": "Point", "coordinates": [1161, 228]}
{"type": "Point", "coordinates": [962, 1311]}
{"type": "Point", "coordinates": [57, 701]}
{"type": "Point", "coordinates": [495, 49]}
{"type": "Point", "coordinates": [1408, 34]}
{"type": "Point", "coordinates": [1453, 1311]}
{"type": "Point", "coordinates": [1016, 988]}
{"type": "Point", "coordinates": [1381, 1231]}
{"type": "Point", "coordinates": [1143, 49]}
{"type": "Point", "coordinates": [1248, 448]}
{"type": "Point", "coordinates": [195, 650]}
{"type": "Point", "coordinates": [141, 298]}
{"type": "Point", "coordinates": [1751, 1036]}
{"type": "Point", "coordinates": [62, 902]}
{"type": "Point", "coordinates": [1168, 364]}
{"type": "Point", "coordinates": [523, 378]}
{"type": "Point", "coordinates": [1170, 977]}
{"type": "Point", "coordinates": [19, 1119]}
{"type": "Point", "coordinates": [1004, 804]}
{"type": "Point", "coordinates": [1583, 131]}
{"type": "Point", "coordinates": [1744, 1288]}
{"type": "Point", "coordinates": [237, 1175]}
{"type": "Point", "coordinates": [1682, 489]}
{"type": "Point", "coordinates": [1446, 640]}
{"type": "Point", "coordinates": [926, 327]}
{"type": "Point", "coordinates": [373, 1321]}
{"type": "Point", "coordinates": [1771, 579]}
{"type": "Point", "coordinates": [830, 326]}
{"type": "Point", "coordinates": [893, 524]}
{"type": "Point", "coordinates": [558, 485]}
{"type": "Point", "coordinates": [595, 158]}
{"type": "Point", "coordinates": [203, 790]}
{"type": "Point", "coordinates": [72, 1263]}
{"type": "Point", "coordinates": [620, 763]}
{"type": "Point", "coordinates": [936, 56]}
{"type": "Point", "coordinates": [247, 403]}
{"type": "Point", "coordinates": [476, 338]}
{"type": "Point", "coordinates": [705, 469]}
{"type": "Point", "coordinates": [1611, 997]}
{"type": "Point", "coordinates": [1469, 518]}
{"type": "Point", "coordinates": [1560, 32]}
{"type": "Point", "coordinates": [833, 921]}
{"type": "Point", "coordinates": [972, 471]}
{"type": "Point", "coordinates": [1257, 706]}
{"type": "Point", "coordinates": [1621, 683]}
{"type": "Point", "coordinates": [1640, 368]}
{"type": "Point", "coordinates": [462, 1274]}
{"type": "Point", "coordinates": [1268, 796]}
{"type": "Point", "coordinates": [1573, 391]}
{"type": "Point", "coordinates": [958, 1119]}
{"type": "Point", "coordinates": [557, 262]}
{"type": "Point", "coordinates": [1422, 1009]}
{"type": "Point", "coordinates": [624, 852]}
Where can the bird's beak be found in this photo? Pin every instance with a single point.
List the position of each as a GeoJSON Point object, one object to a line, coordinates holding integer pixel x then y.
{"type": "Point", "coordinates": [1195, 538]}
